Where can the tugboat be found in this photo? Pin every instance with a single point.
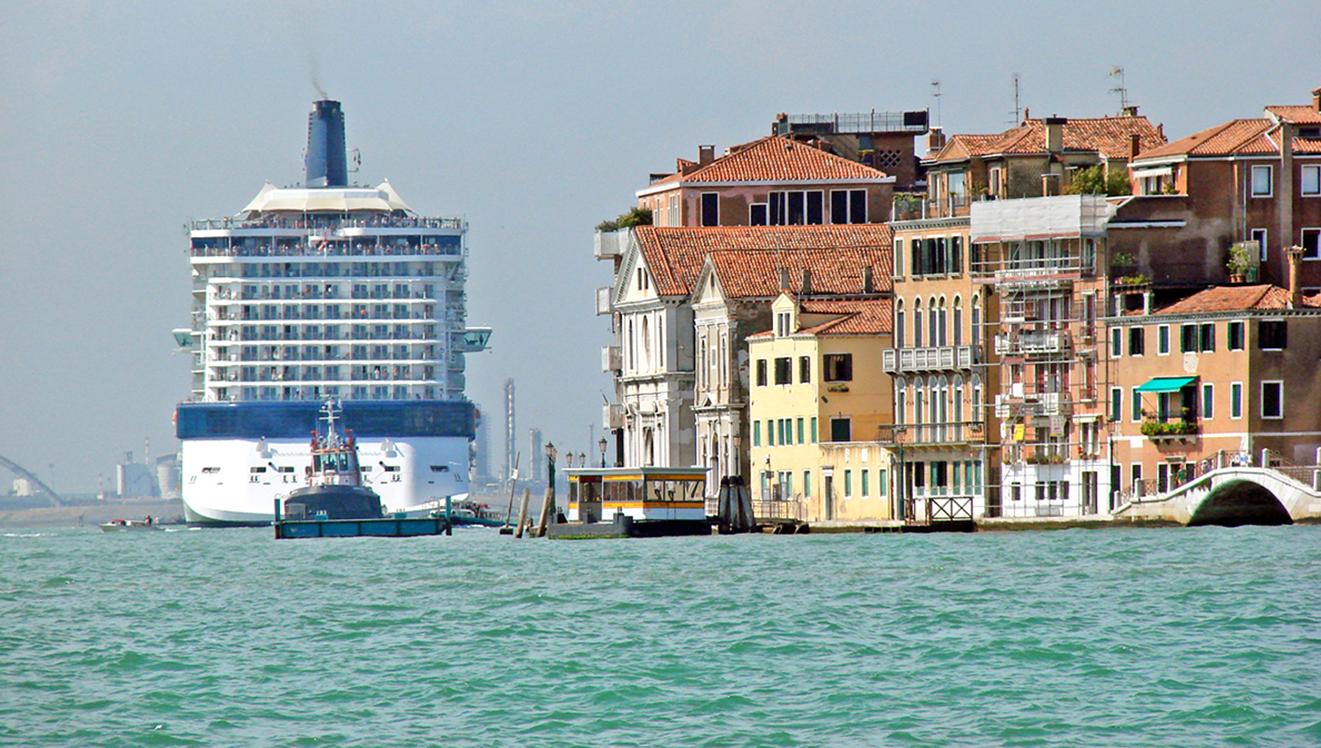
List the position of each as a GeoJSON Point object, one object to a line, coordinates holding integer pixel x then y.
{"type": "Point", "coordinates": [334, 487]}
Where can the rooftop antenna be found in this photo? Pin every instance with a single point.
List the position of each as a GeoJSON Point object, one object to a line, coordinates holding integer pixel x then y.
{"type": "Point", "coordinates": [936, 85]}
{"type": "Point", "coordinates": [1018, 110]}
{"type": "Point", "coordinates": [1121, 89]}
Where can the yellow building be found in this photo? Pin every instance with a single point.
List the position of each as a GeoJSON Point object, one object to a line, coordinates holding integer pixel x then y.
{"type": "Point", "coordinates": [818, 400]}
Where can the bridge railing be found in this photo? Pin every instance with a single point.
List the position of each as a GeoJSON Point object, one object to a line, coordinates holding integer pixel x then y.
{"type": "Point", "coordinates": [1199, 476]}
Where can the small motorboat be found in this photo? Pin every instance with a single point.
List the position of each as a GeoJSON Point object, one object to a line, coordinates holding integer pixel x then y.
{"type": "Point", "coordinates": [124, 525]}
{"type": "Point", "coordinates": [334, 489]}
{"type": "Point", "coordinates": [473, 514]}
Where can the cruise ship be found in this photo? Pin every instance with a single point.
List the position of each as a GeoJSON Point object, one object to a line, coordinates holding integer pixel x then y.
{"type": "Point", "coordinates": [321, 291]}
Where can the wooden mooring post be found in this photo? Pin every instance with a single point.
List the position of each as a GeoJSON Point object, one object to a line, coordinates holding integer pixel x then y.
{"type": "Point", "coordinates": [522, 513]}
{"type": "Point", "coordinates": [546, 503]}
{"type": "Point", "coordinates": [734, 512]}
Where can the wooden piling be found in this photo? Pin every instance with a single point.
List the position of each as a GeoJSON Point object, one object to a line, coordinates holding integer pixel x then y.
{"type": "Point", "coordinates": [546, 503]}
{"type": "Point", "coordinates": [513, 486]}
{"type": "Point", "coordinates": [522, 512]}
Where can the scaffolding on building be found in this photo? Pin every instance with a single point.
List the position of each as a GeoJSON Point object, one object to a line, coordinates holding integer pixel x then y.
{"type": "Point", "coordinates": [1042, 260]}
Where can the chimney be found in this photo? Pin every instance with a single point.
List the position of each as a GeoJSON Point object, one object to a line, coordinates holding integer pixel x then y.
{"type": "Point", "coordinates": [1050, 185]}
{"type": "Point", "coordinates": [1055, 134]}
{"type": "Point", "coordinates": [1295, 256]}
{"type": "Point", "coordinates": [1134, 146]}
{"type": "Point", "coordinates": [935, 140]}
{"type": "Point", "coordinates": [807, 281]}
{"type": "Point", "coordinates": [1130, 111]}
{"type": "Point", "coordinates": [705, 154]}
{"type": "Point", "coordinates": [868, 280]}
{"type": "Point", "coordinates": [326, 161]}
{"type": "Point", "coordinates": [1146, 302]}
{"type": "Point", "coordinates": [1316, 99]}
{"type": "Point", "coordinates": [784, 279]}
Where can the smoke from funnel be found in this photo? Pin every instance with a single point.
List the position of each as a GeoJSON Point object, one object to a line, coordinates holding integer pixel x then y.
{"type": "Point", "coordinates": [326, 161]}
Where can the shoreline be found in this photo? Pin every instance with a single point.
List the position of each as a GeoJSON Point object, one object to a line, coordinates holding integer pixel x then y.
{"type": "Point", "coordinates": [166, 510]}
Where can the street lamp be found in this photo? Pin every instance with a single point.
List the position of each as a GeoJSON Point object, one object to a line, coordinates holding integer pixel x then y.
{"type": "Point", "coordinates": [582, 459]}
{"type": "Point", "coordinates": [602, 445]}
{"type": "Point", "coordinates": [551, 454]}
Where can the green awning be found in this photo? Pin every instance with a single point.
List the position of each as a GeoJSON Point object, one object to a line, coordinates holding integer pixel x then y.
{"type": "Point", "coordinates": [1166, 384]}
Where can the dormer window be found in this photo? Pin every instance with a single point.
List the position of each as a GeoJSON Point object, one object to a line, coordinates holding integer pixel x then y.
{"type": "Point", "coordinates": [782, 324]}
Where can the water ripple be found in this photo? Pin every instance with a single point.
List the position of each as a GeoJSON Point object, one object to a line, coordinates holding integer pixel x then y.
{"type": "Point", "coordinates": [1118, 637]}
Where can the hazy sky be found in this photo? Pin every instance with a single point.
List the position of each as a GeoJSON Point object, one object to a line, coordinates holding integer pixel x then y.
{"type": "Point", "coordinates": [119, 122]}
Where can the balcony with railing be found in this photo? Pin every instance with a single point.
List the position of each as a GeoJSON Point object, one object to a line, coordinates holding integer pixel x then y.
{"type": "Point", "coordinates": [1018, 404]}
{"type": "Point", "coordinates": [938, 358]}
{"type": "Point", "coordinates": [953, 433]}
{"type": "Point", "coordinates": [1032, 342]}
{"type": "Point", "coordinates": [1166, 427]}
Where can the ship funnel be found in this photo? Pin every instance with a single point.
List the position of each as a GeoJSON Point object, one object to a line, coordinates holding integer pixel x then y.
{"type": "Point", "coordinates": [326, 163]}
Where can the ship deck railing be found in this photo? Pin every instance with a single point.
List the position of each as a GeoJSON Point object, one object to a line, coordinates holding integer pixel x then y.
{"type": "Point", "coordinates": [429, 250]}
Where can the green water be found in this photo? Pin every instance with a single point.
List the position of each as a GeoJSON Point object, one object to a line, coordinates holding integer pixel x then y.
{"type": "Point", "coordinates": [1187, 637]}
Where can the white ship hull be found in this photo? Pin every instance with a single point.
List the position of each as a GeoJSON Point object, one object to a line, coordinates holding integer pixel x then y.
{"type": "Point", "coordinates": [230, 481]}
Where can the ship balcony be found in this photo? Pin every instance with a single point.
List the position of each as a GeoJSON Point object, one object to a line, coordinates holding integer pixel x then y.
{"type": "Point", "coordinates": [608, 245]}
{"type": "Point", "coordinates": [612, 359]}
{"type": "Point", "coordinates": [603, 305]}
{"type": "Point", "coordinates": [939, 358]}
{"type": "Point", "coordinates": [1032, 342]}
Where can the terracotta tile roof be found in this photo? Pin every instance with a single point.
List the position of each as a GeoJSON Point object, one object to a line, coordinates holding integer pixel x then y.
{"type": "Point", "coordinates": [673, 263]}
{"type": "Point", "coordinates": [1303, 115]}
{"type": "Point", "coordinates": [1236, 299]}
{"type": "Point", "coordinates": [1239, 136]}
{"type": "Point", "coordinates": [965, 145]}
{"type": "Point", "coordinates": [835, 270]}
{"type": "Point", "coordinates": [675, 255]}
{"type": "Point", "coordinates": [853, 317]}
{"type": "Point", "coordinates": [1107, 135]}
{"type": "Point", "coordinates": [779, 159]}
{"type": "Point", "coordinates": [1213, 141]}
{"type": "Point", "coordinates": [874, 317]}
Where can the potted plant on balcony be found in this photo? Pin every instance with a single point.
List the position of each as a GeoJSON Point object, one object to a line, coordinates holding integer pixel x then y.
{"type": "Point", "coordinates": [1238, 263]}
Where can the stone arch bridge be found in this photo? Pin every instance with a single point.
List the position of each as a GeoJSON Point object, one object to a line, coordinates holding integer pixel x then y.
{"type": "Point", "coordinates": [1233, 495]}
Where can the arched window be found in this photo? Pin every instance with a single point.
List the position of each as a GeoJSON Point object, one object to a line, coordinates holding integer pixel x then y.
{"type": "Point", "coordinates": [632, 362]}
{"type": "Point", "coordinates": [958, 321]}
{"type": "Point", "coordinates": [646, 344]}
{"type": "Point", "coordinates": [899, 323]}
{"type": "Point", "coordinates": [918, 415]}
{"type": "Point", "coordinates": [940, 407]}
{"type": "Point", "coordinates": [976, 397]}
{"type": "Point", "coordinates": [944, 323]}
{"type": "Point", "coordinates": [976, 319]}
{"type": "Point", "coordinates": [703, 381]}
{"type": "Point", "coordinates": [933, 337]}
{"type": "Point", "coordinates": [722, 367]}
{"type": "Point", "coordinates": [958, 401]}
{"type": "Point", "coordinates": [900, 402]}
{"type": "Point", "coordinates": [917, 323]}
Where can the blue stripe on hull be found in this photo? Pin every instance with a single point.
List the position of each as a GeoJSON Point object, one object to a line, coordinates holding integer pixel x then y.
{"type": "Point", "coordinates": [297, 419]}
